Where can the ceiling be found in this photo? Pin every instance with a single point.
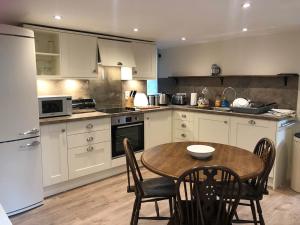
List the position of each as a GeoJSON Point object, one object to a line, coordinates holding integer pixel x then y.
{"type": "Point", "coordinates": [165, 21]}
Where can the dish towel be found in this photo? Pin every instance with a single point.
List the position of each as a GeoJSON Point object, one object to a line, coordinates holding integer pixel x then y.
{"type": "Point", "coordinates": [283, 112]}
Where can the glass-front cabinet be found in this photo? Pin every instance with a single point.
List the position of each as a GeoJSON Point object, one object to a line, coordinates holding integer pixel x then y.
{"type": "Point", "coordinates": [47, 46]}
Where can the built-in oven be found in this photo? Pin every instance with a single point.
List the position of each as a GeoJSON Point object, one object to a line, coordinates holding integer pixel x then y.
{"type": "Point", "coordinates": [131, 127]}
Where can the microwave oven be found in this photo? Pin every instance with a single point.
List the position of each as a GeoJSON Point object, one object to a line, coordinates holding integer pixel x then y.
{"type": "Point", "coordinates": [51, 106]}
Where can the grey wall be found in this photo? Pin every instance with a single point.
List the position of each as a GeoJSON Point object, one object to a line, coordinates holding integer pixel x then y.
{"type": "Point", "coordinates": [261, 55]}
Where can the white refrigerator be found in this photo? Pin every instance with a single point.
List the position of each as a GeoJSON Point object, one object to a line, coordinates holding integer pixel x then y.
{"type": "Point", "coordinates": [20, 152]}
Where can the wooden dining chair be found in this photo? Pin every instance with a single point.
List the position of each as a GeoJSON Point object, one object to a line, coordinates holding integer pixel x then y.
{"type": "Point", "coordinates": [148, 190]}
{"type": "Point", "coordinates": [254, 189]}
{"type": "Point", "coordinates": [207, 196]}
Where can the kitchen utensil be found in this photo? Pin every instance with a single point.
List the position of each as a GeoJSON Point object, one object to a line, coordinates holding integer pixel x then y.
{"type": "Point", "coordinates": [203, 102]}
{"type": "Point", "coordinates": [194, 97]}
{"type": "Point", "coordinates": [140, 100]}
{"type": "Point", "coordinates": [262, 108]}
{"type": "Point", "coordinates": [156, 99]}
{"type": "Point", "coordinates": [241, 102]}
{"type": "Point", "coordinates": [163, 99]}
{"type": "Point", "coordinates": [200, 151]}
{"type": "Point", "coordinates": [178, 99]}
{"type": "Point", "coordinates": [151, 99]}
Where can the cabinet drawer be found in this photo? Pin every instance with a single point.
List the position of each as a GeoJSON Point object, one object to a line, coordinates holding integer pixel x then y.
{"type": "Point", "coordinates": [183, 135]}
{"type": "Point", "coordinates": [89, 159]}
{"type": "Point", "coordinates": [182, 125]}
{"type": "Point", "coordinates": [79, 127]}
{"type": "Point", "coordinates": [78, 140]}
{"type": "Point", "coordinates": [182, 115]}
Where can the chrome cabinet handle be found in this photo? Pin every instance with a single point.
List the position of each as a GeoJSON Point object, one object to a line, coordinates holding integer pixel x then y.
{"type": "Point", "coordinates": [183, 125]}
{"type": "Point", "coordinates": [33, 131]}
{"type": "Point", "coordinates": [147, 118]}
{"type": "Point", "coordinates": [63, 130]}
{"type": "Point", "coordinates": [29, 145]}
{"type": "Point", "coordinates": [183, 135]}
{"type": "Point", "coordinates": [225, 122]}
{"type": "Point", "coordinates": [183, 116]}
{"type": "Point", "coordinates": [89, 139]}
{"type": "Point", "coordinates": [120, 64]}
{"type": "Point", "coordinates": [90, 149]}
{"type": "Point", "coordinates": [95, 71]}
{"type": "Point", "coordinates": [252, 122]}
{"type": "Point", "coordinates": [89, 126]}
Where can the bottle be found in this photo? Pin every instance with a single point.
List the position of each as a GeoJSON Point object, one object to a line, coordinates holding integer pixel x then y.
{"type": "Point", "coordinates": [218, 101]}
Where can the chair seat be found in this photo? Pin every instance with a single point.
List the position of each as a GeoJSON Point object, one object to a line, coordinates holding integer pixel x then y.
{"type": "Point", "coordinates": [158, 187]}
{"type": "Point", "coordinates": [249, 192]}
{"type": "Point", "coordinates": [187, 209]}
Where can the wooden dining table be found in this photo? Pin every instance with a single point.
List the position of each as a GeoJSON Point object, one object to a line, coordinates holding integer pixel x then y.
{"type": "Point", "coordinates": [172, 159]}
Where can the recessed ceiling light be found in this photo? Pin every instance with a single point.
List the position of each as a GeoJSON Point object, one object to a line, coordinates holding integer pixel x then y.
{"type": "Point", "coordinates": [245, 29]}
{"type": "Point", "coordinates": [183, 38]}
{"type": "Point", "coordinates": [57, 17]}
{"type": "Point", "coordinates": [246, 5]}
{"type": "Point", "coordinates": [135, 29]}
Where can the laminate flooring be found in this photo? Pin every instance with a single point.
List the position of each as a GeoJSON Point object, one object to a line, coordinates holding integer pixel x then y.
{"type": "Point", "coordinates": [107, 203]}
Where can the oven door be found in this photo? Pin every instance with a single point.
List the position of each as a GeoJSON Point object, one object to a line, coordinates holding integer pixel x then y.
{"type": "Point", "coordinates": [134, 132]}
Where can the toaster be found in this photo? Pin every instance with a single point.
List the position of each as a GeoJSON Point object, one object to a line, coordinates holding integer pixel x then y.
{"type": "Point", "coordinates": [178, 99]}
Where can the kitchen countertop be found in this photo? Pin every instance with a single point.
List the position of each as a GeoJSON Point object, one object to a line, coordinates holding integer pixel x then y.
{"type": "Point", "coordinates": [98, 115]}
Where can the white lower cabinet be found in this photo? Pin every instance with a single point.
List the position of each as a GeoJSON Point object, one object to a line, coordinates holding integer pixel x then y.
{"type": "Point", "coordinates": [245, 133]}
{"type": "Point", "coordinates": [183, 126]}
{"type": "Point", "coordinates": [89, 159]}
{"type": "Point", "coordinates": [158, 128]}
{"type": "Point", "coordinates": [213, 128]}
{"type": "Point", "coordinates": [54, 153]}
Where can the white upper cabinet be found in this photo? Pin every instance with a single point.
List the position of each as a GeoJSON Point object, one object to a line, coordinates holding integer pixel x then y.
{"type": "Point", "coordinates": [145, 55]}
{"type": "Point", "coordinates": [116, 53]}
{"type": "Point", "coordinates": [78, 56]}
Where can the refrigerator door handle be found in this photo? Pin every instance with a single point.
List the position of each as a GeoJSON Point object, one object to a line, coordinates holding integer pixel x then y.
{"type": "Point", "coordinates": [31, 132]}
{"type": "Point", "coordinates": [29, 145]}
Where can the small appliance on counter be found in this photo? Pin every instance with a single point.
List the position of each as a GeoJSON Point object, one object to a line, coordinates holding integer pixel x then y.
{"type": "Point", "coordinates": [151, 99]}
{"type": "Point", "coordinates": [179, 99]}
{"type": "Point", "coordinates": [163, 99]}
{"type": "Point", "coordinates": [140, 100]}
{"type": "Point", "coordinates": [83, 105]}
{"type": "Point", "coordinates": [52, 106]}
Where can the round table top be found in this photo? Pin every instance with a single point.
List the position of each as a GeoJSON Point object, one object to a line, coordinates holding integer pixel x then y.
{"type": "Point", "coordinates": [172, 159]}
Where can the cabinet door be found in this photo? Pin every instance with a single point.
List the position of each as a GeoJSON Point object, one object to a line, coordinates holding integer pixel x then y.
{"type": "Point", "coordinates": [158, 128]}
{"type": "Point", "coordinates": [116, 53]}
{"type": "Point", "coordinates": [245, 133]}
{"type": "Point", "coordinates": [213, 128]}
{"type": "Point", "coordinates": [145, 55]}
{"type": "Point", "coordinates": [54, 153]}
{"type": "Point", "coordinates": [78, 56]}
{"type": "Point", "coordinates": [89, 159]}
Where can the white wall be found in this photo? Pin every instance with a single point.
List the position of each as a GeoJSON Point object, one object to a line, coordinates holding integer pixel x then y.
{"type": "Point", "coordinates": [261, 55]}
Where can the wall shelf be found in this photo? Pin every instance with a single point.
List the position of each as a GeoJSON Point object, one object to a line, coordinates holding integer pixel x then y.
{"type": "Point", "coordinates": [284, 76]}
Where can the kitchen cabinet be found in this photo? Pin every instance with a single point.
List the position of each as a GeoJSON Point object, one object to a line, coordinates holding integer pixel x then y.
{"type": "Point", "coordinates": [54, 153]}
{"type": "Point", "coordinates": [47, 47]}
{"type": "Point", "coordinates": [78, 56]}
{"type": "Point", "coordinates": [183, 126]}
{"type": "Point", "coordinates": [145, 55]}
{"type": "Point", "coordinates": [85, 160]}
{"type": "Point", "coordinates": [116, 53]}
{"type": "Point", "coordinates": [245, 133]}
{"type": "Point", "coordinates": [158, 128]}
{"type": "Point", "coordinates": [213, 128]}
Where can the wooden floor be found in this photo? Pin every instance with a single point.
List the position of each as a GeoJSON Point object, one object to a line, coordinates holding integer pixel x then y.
{"type": "Point", "coordinates": [107, 203]}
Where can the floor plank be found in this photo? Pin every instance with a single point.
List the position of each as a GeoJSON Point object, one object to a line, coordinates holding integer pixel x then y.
{"type": "Point", "coordinates": [107, 203]}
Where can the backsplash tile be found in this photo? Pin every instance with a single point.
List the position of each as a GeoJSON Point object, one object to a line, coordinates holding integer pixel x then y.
{"type": "Point", "coordinates": [264, 90]}
{"type": "Point", "coordinates": [108, 90]}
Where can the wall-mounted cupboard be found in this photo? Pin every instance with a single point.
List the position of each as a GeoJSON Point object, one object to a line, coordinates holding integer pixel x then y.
{"type": "Point", "coordinates": [62, 54]}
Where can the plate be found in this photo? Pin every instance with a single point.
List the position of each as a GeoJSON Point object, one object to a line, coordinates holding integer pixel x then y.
{"type": "Point", "coordinates": [200, 151]}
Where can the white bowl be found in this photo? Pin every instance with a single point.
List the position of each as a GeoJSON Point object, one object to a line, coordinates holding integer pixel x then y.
{"type": "Point", "coordinates": [200, 151]}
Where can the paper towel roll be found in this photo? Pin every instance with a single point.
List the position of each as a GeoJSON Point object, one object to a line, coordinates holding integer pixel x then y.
{"type": "Point", "coordinates": [194, 97]}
